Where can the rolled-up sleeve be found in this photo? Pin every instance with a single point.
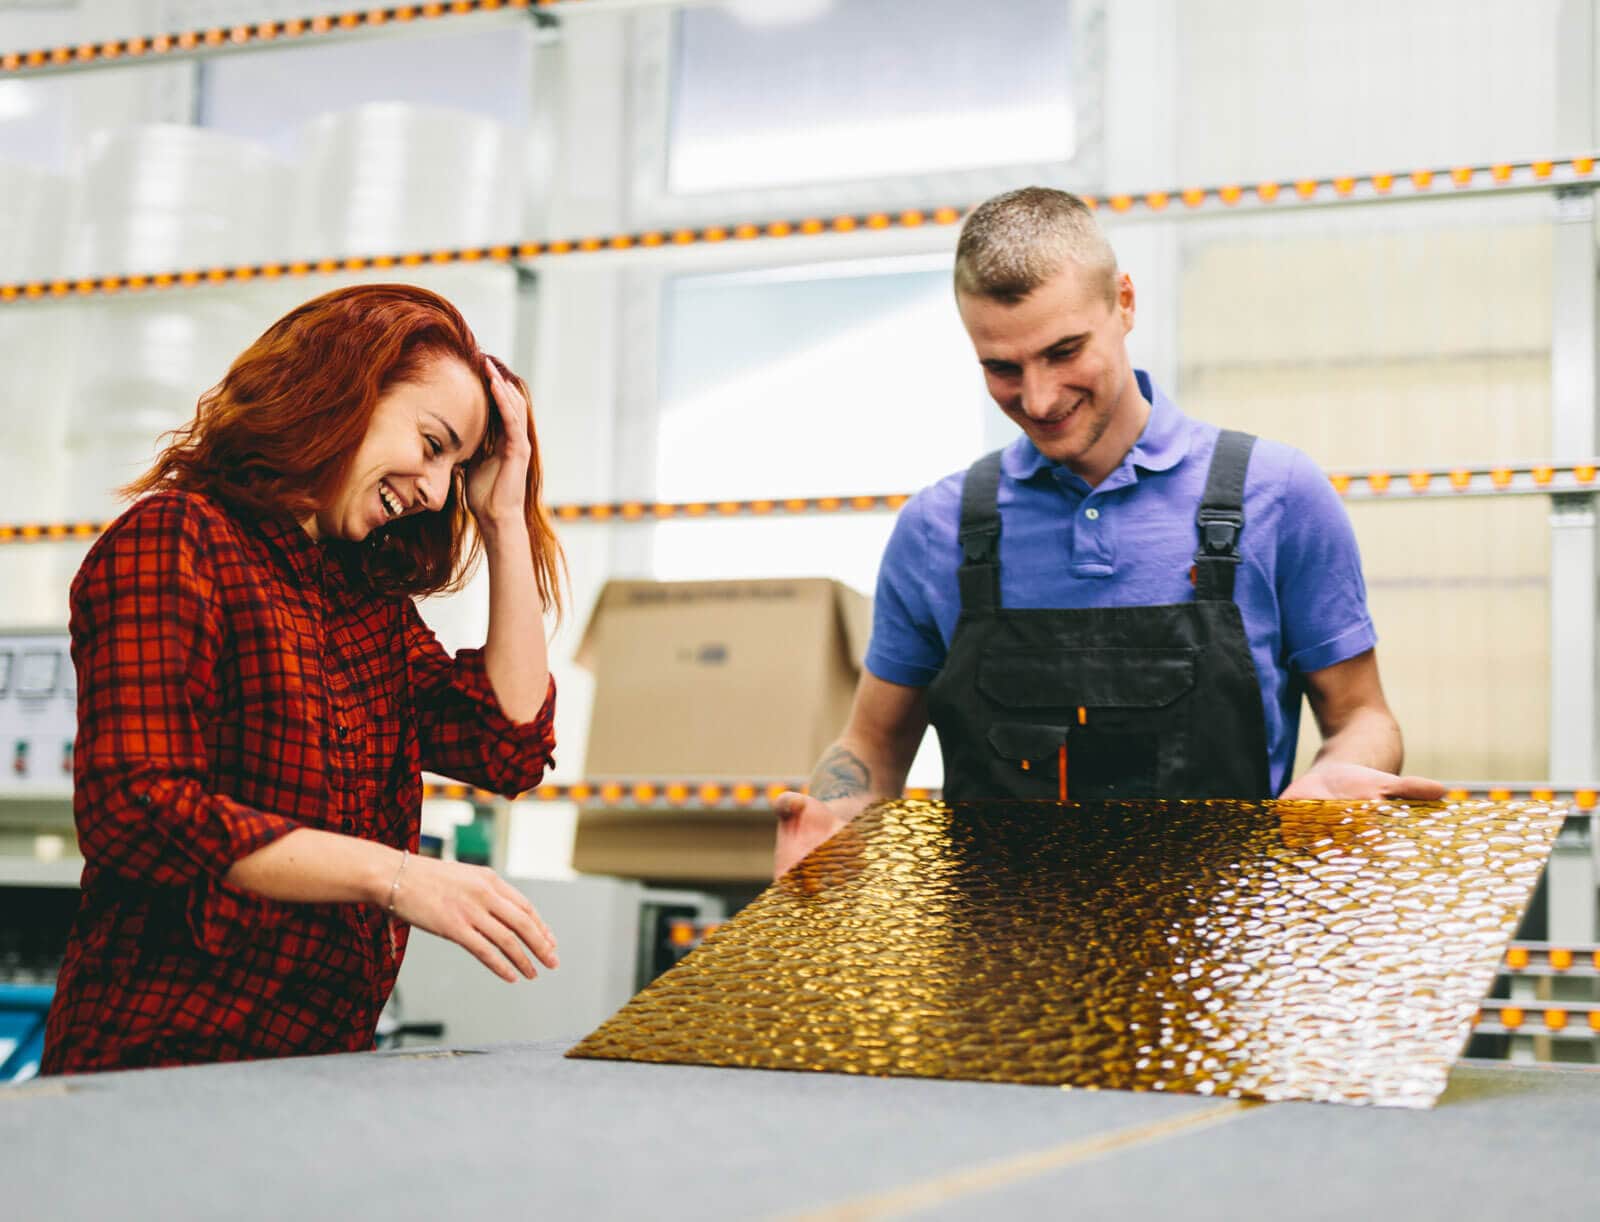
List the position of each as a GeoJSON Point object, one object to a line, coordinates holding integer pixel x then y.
{"type": "Point", "coordinates": [461, 729]}
{"type": "Point", "coordinates": [906, 647]}
{"type": "Point", "coordinates": [145, 637]}
{"type": "Point", "coordinates": [1321, 591]}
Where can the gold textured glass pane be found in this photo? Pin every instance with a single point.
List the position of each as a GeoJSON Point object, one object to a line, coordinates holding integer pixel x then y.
{"type": "Point", "coordinates": [1288, 950]}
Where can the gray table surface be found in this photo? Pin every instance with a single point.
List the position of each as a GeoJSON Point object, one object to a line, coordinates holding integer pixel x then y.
{"type": "Point", "coordinates": [516, 1130]}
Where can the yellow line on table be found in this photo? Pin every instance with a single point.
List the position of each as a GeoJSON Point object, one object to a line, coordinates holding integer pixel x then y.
{"type": "Point", "coordinates": [1006, 1171]}
{"type": "Point", "coordinates": [37, 1088]}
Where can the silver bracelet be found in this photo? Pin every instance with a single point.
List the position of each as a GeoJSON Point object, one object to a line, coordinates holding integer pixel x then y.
{"type": "Point", "coordinates": [394, 887]}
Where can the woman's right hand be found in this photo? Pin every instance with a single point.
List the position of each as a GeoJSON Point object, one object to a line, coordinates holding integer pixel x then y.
{"type": "Point", "coordinates": [478, 910]}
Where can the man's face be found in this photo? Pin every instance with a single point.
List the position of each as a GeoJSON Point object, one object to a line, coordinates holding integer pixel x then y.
{"type": "Point", "coordinates": [1057, 363]}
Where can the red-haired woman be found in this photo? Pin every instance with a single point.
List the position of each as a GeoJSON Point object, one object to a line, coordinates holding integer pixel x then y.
{"type": "Point", "coordinates": [257, 695]}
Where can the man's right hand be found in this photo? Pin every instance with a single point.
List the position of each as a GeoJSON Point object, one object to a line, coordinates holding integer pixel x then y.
{"type": "Point", "coordinates": [803, 824]}
{"type": "Point", "coordinates": [868, 761]}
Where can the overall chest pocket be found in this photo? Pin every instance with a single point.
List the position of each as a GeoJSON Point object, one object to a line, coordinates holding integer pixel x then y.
{"type": "Point", "coordinates": [1100, 681]}
{"type": "Point", "coordinates": [1112, 709]}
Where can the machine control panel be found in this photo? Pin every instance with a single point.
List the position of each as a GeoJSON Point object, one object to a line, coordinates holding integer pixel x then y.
{"type": "Point", "coordinates": [38, 714]}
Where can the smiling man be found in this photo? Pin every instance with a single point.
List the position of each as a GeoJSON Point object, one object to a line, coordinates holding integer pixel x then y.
{"type": "Point", "coordinates": [1123, 602]}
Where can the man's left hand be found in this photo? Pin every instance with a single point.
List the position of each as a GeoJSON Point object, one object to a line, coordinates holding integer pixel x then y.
{"type": "Point", "coordinates": [1339, 781]}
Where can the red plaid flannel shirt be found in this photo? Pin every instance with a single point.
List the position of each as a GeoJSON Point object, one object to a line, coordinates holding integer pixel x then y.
{"type": "Point", "coordinates": [238, 680]}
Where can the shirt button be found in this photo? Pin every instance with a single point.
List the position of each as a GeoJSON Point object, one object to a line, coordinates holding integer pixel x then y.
{"type": "Point", "coordinates": [1092, 514]}
{"type": "Point", "coordinates": [340, 730]}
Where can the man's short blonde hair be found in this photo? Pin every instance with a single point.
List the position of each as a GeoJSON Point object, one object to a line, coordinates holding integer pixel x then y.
{"type": "Point", "coordinates": [1013, 243]}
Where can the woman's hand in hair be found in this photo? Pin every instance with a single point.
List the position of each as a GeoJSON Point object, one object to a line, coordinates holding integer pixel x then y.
{"type": "Point", "coordinates": [502, 491]}
{"type": "Point", "coordinates": [497, 477]}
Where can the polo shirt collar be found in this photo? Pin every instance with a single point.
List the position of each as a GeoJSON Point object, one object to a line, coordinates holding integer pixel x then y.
{"type": "Point", "coordinates": [1163, 444]}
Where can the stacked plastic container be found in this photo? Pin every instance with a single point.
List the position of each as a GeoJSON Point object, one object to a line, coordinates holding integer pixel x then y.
{"type": "Point", "coordinates": [162, 197]}
{"type": "Point", "coordinates": [107, 376]}
{"type": "Point", "coordinates": [168, 196]}
{"type": "Point", "coordinates": [391, 178]}
{"type": "Point", "coordinates": [34, 390]}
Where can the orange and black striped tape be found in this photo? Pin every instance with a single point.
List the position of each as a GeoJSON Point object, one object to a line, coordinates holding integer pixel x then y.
{"type": "Point", "coordinates": [1496, 1017]}
{"type": "Point", "coordinates": [502, 252]}
{"type": "Point", "coordinates": [249, 35]}
{"type": "Point", "coordinates": [1378, 186]}
{"type": "Point", "coordinates": [1553, 959]}
{"type": "Point", "coordinates": [1400, 484]}
{"type": "Point", "coordinates": [736, 794]}
{"type": "Point", "coordinates": [1397, 485]}
{"type": "Point", "coordinates": [1499, 479]}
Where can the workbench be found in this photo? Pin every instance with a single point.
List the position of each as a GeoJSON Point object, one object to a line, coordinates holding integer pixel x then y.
{"type": "Point", "coordinates": [516, 1130]}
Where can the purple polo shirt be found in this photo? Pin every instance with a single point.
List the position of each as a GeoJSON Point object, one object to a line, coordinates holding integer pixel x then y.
{"type": "Point", "coordinates": [1130, 542]}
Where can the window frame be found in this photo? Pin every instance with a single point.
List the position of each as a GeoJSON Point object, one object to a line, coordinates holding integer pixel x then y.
{"type": "Point", "coordinates": [652, 51]}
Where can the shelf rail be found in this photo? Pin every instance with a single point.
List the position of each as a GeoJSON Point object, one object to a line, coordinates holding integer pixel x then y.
{"type": "Point", "coordinates": [1394, 485]}
{"type": "Point", "coordinates": [758, 793]}
{"type": "Point", "coordinates": [1555, 174]}
{"type": "Point", "coordinates": [204, 41]}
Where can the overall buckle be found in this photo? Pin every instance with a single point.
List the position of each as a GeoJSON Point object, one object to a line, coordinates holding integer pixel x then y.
{"type": "Point", "coordinates": [979, 546]}
{"type": "Point", "coordinates": [1219, 533]}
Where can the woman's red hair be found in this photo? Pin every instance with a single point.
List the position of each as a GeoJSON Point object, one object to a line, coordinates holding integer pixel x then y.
{"type": "Point", "coordinates": [278, 433]}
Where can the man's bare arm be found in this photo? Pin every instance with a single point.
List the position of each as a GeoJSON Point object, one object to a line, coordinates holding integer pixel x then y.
{"type": "Point", "coordinates": [1361, 749]}
{"type": "Point", "coordinates": [867, 762]}
{"type": "Point", "coordinates": [840, 773]}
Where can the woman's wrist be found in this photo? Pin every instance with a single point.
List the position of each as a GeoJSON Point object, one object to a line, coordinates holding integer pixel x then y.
{"type": "Point", "coordinates": [384, 865]}
{"type": "Point", "coordinates": [506, 531]}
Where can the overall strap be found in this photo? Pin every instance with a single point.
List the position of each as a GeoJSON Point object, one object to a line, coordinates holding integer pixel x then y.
{"type": "Point", "coordinates": [1221, 518]}
{"type": "Point", "coordinates": [979, 574]}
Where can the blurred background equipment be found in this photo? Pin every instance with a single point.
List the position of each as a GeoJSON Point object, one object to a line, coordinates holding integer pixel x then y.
{"type": "Point", "coordinates": [616, 936]}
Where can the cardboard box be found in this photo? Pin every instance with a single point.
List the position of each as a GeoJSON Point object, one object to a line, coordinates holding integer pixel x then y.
{"type": "Point", "coordinates": [676, 846]}
{"type": "Point", "coordinates": [711, 680]}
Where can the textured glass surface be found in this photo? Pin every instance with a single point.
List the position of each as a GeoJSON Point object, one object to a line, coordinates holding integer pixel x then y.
{"type": "Point", "coordinates": [1291, 950]}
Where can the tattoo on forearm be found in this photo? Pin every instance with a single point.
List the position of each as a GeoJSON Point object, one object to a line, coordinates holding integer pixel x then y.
{"type": "Point", "coordinates": [839, 774]}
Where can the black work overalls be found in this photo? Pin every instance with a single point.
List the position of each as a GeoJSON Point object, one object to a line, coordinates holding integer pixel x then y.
{"type": "Point", "coordinates": [1122, 702]}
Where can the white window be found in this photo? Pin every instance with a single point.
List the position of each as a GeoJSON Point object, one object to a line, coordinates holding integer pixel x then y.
{"type": "Point", "coordinates": [34, 123]}
{"type": "Point", "coordinates": [830, 379]}
{"type": "Point", "coordinates": [763, 107]}
{"type": "Point", "coordinates": [805, 381]}
{"type": "Point", "coordinates": [267, 96]}
{"type": "Point", "coordinates": [866, 90]}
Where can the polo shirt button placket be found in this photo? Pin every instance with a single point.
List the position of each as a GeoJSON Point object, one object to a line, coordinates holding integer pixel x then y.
{"type": "Point", "coordinates": [1091, 546]}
